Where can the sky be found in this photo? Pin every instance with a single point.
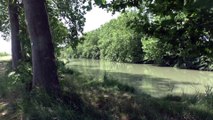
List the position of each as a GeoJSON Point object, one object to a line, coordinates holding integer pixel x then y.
{"type": "Point", "coordinates": [94, 19]}
{"type": "Point", "coordinates": [97, 17]}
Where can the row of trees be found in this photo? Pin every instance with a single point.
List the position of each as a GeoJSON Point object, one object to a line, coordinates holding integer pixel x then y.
{"type": "Point", "coordinates": [49, 23]}
{"type": "Point", "coordinates": [113, 41]}
{"type": "Point", "coordinates": [163, 32]}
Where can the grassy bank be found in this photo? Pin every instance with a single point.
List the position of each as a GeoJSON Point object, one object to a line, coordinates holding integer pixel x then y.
{"type": "Point", "coordinates": [87, 98]}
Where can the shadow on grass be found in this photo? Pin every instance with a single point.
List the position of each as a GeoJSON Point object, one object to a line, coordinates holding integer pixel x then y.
{"type": "Point", "coordinates": [109, 99]}
{"type": "Point", "coordinates": [8, 107]}
{"type": "Point", "coordinates": [86, 97]}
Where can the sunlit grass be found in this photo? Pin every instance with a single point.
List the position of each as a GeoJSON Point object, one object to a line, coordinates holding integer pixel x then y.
{"type": "Point", "coordinates": [5, 58]}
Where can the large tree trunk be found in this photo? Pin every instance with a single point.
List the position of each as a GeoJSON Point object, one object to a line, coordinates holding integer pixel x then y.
{"type": "Point", "coordinates": [14, 25]}
{"type": "Point", "coordinates": [43, 59]}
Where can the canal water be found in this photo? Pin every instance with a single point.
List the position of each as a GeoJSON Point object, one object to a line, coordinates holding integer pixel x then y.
{"type": "Point", "coordinates": [150, 79]}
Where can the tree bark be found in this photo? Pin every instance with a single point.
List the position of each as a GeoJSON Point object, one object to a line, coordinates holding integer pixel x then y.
{"type": "Point", "coordinates": [43, 58]}
{"type": "Point", "coordinates": [14, 25]}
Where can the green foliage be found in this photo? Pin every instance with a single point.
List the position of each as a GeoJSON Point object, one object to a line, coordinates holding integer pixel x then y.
{"type": "Point", "coordinates": [119, 42]}
{"type": "Point", "coordinates": [115, 41]}
{"type": "Point", "coordinates": [118, 5]}
{"type": "Point", "coordinates": [89, 47]}
{"type": "Point", "coordinates": [4, 21]}
{"type": "Point", "coordinates": [21, 78]}
{"type": "Point", "coordinates": [182, 29]}
{"type": "Point", "coordinates": [72, 13]}
{"type": "Point", "coordinates": [59, 31]}
{"type": "Point", "coordinates": [150, 48]}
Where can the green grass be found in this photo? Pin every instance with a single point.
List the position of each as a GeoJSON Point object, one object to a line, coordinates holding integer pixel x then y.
{"type": "Point", "coordinates": [9, 93]}
{"type": "Point", "coordinates": [116, 102]}
{"type": "Point", "coordinates": [2, 54]}
{"type": "Point", "coordinates": [85, 97]}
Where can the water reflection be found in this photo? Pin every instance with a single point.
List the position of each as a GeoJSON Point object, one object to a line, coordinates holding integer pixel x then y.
{"type": "Point", "coordinates": [157, 81]}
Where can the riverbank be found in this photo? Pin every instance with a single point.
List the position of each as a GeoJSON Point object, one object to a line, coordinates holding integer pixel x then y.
{"type": "Point", "coordinates": [92, 97]}
{"type": "Point", "coordinates": [198, 63]}
{"type": "Point", "coordinates": [202, 63]}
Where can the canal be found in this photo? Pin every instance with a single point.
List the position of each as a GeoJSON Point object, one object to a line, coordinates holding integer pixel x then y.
{"type": "Point", "coordinates": [150, 79]}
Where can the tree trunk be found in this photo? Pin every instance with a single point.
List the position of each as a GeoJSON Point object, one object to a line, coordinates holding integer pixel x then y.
{"type": "Point", "coordinates": [43, 58]}
{"type": "Point", "coordinates": [14, 25]}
